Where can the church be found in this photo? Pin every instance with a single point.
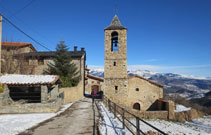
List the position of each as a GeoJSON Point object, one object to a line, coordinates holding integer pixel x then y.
{"type": "Point", "coordinates": [130, 91]}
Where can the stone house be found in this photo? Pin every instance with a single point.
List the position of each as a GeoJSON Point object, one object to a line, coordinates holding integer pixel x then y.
{"type": "Point", "coordinates": [37, 60]}
{"type": "Point", "coordinates": [40, 60]}
{"type": "Point", "coordinates": [133, 92]}
{"type": "Point", "coordinates": [17, 47]}
{"type": "Point", "coordinates": [11, 65]}
{"type": "Point", "coordinates": [34, 62]}
{"type": "Point", "coordinates": [29, 93]}
{"type": "Point", "coordinates": [93, 82]}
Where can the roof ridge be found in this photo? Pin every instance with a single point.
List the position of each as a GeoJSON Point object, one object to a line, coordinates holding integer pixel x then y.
{"type": "Point", "coordinates": [115, 24]}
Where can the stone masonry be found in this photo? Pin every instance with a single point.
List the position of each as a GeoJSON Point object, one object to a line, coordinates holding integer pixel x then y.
{"type": "Point", "coordinates": [115, 75]}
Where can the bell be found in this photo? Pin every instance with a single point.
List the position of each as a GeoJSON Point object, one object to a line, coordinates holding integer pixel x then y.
{"type": "Point", "coordinates": [115, 43]}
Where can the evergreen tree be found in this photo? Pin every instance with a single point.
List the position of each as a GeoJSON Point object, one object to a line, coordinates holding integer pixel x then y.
{"type": "Point", "coordinates": [62, 65]}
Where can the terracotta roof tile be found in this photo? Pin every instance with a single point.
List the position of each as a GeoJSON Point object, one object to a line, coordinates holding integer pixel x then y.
{"type": "Point", "coordinates": [163, 100]}
{"type": "Point", "coordinates": [18, 44]}
{"type": "Point", "coordinates": [95, 77]}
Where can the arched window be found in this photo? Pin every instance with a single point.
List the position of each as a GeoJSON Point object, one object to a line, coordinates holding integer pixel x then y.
{"type": "Point", "coordinates": [136, 106]}
{"type": "Point", "coordinates": [114, 42]}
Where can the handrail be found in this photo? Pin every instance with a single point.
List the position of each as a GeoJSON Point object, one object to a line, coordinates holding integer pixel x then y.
{"type": "Point", "coordinates": [114, 109]}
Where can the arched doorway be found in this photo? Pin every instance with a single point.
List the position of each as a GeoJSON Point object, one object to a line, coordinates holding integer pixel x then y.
{"type": "Point", "coordinates": [96, 88]}
{"type": "Point", "coordinates": [137, 106]}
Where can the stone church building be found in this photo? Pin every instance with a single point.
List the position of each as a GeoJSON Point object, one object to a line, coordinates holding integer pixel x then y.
{"type": "Point", "coordinates": [130, 91]}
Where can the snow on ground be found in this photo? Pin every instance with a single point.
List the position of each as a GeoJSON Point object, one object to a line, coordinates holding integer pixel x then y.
{"type": "Point", "coordinates": [112, 126]}
{"type": "Point", "coordinates": [181, 108]}
{"type": "Point", "coordinates": [11, 124]}
{"type": "Point", "coordinates": [203, 123]}
{"type": "Point", "coordinates": [177, 128]}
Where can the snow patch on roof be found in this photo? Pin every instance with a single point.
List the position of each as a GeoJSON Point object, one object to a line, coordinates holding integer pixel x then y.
{"type": "Point", "coordinates": [181, 108]}
{"type": "Point", "coordinates": [15, 79]}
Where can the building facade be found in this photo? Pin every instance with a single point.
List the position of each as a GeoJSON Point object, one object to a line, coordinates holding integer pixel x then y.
{"type": "Point", "coordinates": [115, 64]}
{"type": "Point", "coordinates": [93, 83]}
{"type": "Point", "coordinates": [130, 91]}
{"type": "Point", "coordinates": [12, 65]}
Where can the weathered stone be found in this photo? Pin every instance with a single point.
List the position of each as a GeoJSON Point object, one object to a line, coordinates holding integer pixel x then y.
{"type": "Point", "coordinates": [117, 86]}
{"type": "Point", "coordinates": [187, 115]}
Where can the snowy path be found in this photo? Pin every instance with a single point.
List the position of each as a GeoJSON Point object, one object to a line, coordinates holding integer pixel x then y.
{"type": "Point", "coordinates": [78, 119]}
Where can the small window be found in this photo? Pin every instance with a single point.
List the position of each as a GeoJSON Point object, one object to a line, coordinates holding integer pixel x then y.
{"type": "Point", "coordinates": [116, 89]}
{"type": "Point", "coordinates": [137, 89]}
{"type": "Point", "coordinates": [114, 63]}
{"type": "Point", "coordinates": [40, 61]}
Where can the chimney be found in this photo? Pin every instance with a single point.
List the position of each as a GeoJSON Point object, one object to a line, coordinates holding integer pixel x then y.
{"type": "Point", "coordinates": [82, 49]}
{"type": "Point", "coordinates": [75, 48]}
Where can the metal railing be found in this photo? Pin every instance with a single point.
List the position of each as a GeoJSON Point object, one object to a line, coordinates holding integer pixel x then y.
{"type": "Point", "coordinates": [122, 115]}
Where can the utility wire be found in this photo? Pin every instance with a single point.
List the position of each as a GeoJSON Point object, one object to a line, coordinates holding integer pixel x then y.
{"type": "Point", "coordinates": [29, 27]}
{"type": "Point", "coordinates": [25, 33]}
{"type": "Point", "coordinates": [23, 8]}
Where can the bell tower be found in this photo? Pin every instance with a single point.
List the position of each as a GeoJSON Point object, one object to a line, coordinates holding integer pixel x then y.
{"type": "Point", "coordinates": [115, 62]}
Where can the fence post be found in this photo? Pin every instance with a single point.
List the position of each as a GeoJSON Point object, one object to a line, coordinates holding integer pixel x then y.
{"type": "Point", "coordinates": [137, 126]}
{"type": "Point", "coordinates": [109, 105]}
{"type": "Point", "coordinates": [114, 110]}
{"type": "Point", "coordinates": [123, 118]}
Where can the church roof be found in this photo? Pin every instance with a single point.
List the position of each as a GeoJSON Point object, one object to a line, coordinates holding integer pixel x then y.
{"type": "Point", "coordinates": [95, 77]}
{"type": "Point", "coordinates": [152, 82]}
{"type": "Point", "coordinates": [115, 24]}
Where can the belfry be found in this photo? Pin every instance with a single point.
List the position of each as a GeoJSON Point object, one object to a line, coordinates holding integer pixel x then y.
{"type": "Point", "coordinates": [115, 74]}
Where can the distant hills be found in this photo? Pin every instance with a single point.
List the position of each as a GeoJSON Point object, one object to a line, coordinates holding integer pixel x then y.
{"type": "Point", "coordinates": [187, 86]}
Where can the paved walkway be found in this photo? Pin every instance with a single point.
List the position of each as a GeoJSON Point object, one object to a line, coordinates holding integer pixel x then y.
{"type": "Point", "coordinates": [80, 118]}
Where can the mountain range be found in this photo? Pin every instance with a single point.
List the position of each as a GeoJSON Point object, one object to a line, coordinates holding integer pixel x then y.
{"type": "Point", "coordinates": [187, 86]}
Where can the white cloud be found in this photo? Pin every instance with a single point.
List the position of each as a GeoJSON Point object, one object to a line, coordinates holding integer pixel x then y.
{"type": "Point", "coordinates": [197, 70]}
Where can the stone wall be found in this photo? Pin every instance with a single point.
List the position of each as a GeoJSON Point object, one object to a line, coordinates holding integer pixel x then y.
{"type": "Point", "coordinates": [115, 75]}
{"type": "Point", "coordinates": [73, 93]}
{"type": "Point", "coordinates": [151, 114]}
{"type": "Point", "coordinates": [118, 95]}
{"type": "Point", "coordinates": [143, 92]}
{"type": "Point", "coordinates": [188, 115]}
{"type": "Point", "coordinates": [32, 107]}
{"type": "Point", "coordinates": [140, 114]}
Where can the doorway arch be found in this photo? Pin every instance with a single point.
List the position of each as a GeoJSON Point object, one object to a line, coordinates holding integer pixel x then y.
{"type": "Point", "coordinates": [96, 88]}
{"type": "Point", "coordinates": [136, 106]}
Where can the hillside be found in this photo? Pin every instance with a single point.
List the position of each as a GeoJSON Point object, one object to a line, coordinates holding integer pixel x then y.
{"type": "Point", "coordinates": [204, 101]}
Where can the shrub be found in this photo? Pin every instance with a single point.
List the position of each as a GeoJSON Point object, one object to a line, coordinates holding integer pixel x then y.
{"type": "Point", "coordinates": [1, 88]}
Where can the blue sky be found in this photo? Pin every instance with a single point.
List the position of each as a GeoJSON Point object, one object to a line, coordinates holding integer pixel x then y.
{"type": "Point", "coordinates": [163, 35]}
